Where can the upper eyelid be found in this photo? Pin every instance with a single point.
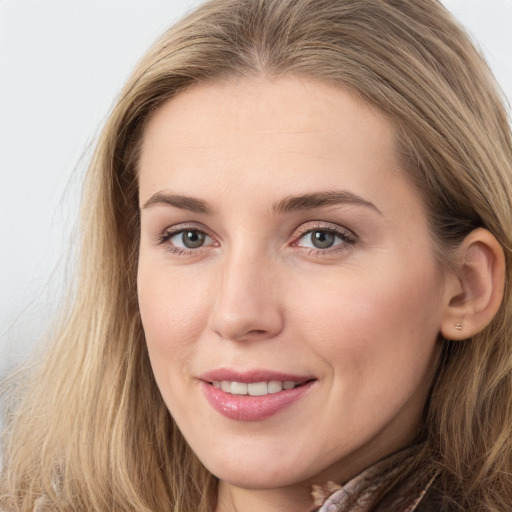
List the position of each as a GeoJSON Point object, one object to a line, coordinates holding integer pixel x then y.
{"type": "Point", "coordinates": [163, 236]}
{"type": "Point", "coordinates": [183, 226]}
{"type": "Point", "coordinates": [306, 227]}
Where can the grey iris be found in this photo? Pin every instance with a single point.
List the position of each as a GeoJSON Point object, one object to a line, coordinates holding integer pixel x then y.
{"type": "Point", "coordinates": [322, 239]}
{"type": "Point", "coordinates": [192, 239]}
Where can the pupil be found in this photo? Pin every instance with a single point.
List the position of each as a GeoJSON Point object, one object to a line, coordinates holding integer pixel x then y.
{"type": "Point", "coordinates": [322, 239]}
{"type": "Point", "coordinates": [193, 239]}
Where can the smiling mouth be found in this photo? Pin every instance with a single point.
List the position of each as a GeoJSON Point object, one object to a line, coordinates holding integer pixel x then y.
{"type": "Point", "coordinates": [254, 395]}
{"type": "Point", "coordinates": [256, 388]}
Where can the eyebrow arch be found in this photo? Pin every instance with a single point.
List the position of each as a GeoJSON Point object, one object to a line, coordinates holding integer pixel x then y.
{"type": "Point", "coordinates": [178, 201]}
{"type": "Point", "coordinates": [319, 199]}
{"type": "Point", "coordinates": [287, 205]}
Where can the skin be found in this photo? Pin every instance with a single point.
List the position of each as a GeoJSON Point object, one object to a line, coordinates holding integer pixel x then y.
{"type": "Point", "coordinates": [363, 316]}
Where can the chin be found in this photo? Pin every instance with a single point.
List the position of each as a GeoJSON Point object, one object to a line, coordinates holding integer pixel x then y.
{"type": "Point", "coordinates": [258, 478]}
{"type": "Point", "coordinates": [263, 470]}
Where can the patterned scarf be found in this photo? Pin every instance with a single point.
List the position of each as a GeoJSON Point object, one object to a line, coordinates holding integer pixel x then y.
{"type": "Point", "coordinates": [380, 488]}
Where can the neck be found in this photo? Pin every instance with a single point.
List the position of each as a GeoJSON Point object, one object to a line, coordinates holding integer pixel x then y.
{"type": "Point", "coordinates": [298, 497]}
{"type": "Point", "coordinates": [236, 499]}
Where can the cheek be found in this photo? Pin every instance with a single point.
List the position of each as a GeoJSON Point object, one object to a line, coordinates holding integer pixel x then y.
{"type": "Point", "coordinates": [391, 315]}
{"type": "Point", "coordinates": [172, 318]}
{"type": "Point", "coordinates": [378, 337]}
{"type": "Point", "coordinates": [173, 315]}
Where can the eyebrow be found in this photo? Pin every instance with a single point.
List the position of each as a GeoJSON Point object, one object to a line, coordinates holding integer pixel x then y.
{"type": "Point", "coordinates": [191, 204]}
{"type": "Point", "coordinates": [319, 199]}
{"type": "Point", "coordinates": [286, 205]}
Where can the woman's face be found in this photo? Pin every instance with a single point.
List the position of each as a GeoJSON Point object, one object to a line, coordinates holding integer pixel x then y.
{"type": "Point", "coordinates": [285, 258]}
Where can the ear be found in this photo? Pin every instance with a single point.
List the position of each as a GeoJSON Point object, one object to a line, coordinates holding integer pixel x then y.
{"type": "Point", "coordinates": [475, 292]}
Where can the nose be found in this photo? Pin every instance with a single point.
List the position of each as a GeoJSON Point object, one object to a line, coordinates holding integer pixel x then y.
{"type": "Point", "coordinates": [247, 303]}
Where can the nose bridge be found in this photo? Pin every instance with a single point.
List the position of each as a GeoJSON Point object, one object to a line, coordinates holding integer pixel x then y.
{"type": "Point", "coordinates": [247, 303]}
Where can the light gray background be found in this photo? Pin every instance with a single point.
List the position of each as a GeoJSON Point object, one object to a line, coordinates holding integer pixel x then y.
{"type": "Point", "coordinates": [61, 65]}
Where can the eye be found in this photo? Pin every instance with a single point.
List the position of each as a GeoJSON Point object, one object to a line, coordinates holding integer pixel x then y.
{"type": "Point", "coordinates": [323, 239]}
{"type": "Point", "coordinates": [187, 239]}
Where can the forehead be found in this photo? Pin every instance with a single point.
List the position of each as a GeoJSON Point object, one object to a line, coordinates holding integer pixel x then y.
{"type": "Point", "coordinates": [267, 135]}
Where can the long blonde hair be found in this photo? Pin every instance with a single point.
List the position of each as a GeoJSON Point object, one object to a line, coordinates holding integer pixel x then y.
{"type": "Point", "coordinates": [90, 431]}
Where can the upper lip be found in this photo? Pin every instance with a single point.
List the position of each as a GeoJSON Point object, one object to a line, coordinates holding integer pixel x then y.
{"type": "Point", "coordinates": [252, 376]}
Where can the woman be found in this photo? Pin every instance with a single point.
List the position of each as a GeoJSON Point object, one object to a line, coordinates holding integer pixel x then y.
{"type": "Point", "coordinates": [295, 275]}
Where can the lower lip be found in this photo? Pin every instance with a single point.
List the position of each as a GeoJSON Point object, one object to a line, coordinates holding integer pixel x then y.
{"type": "Point", "coordinates": [252, 408]}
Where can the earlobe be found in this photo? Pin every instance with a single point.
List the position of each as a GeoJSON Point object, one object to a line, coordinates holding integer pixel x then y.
{"type": "Point", "coordinates": [476, 292]}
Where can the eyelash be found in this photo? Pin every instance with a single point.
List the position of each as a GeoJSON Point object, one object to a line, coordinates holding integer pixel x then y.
{"type": "Point", "coordinates": [347, 238]}
{"type": "Point", "coordinates": [165, 237]}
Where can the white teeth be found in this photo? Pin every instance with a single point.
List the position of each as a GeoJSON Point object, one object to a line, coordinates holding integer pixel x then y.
{"type": "Point", "coordinates": [257, 388]}
{"type": "Point", "coordinates": [274, 386]}
{"type": "Point", "coordinates": [238, 388]}
{"type": "Point", "coordinates": [254, 388]}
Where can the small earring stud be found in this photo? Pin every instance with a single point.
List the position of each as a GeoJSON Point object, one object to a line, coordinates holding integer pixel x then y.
{"type": "Point", "coordinates": [458, 326]}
